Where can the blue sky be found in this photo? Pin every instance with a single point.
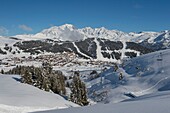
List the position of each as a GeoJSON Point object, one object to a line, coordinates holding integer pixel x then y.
{"type": "Point", "coordinates": [32, 16]}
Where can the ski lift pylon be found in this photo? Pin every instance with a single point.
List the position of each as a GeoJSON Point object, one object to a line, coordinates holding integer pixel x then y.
{"type": "Point", "coordinates": [159, 57]}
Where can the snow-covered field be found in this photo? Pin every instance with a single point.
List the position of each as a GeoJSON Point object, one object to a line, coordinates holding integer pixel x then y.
{"type": "Point", "coordinates": [154, 103]}
{"type": "Point", "coordinates": [16, 97]}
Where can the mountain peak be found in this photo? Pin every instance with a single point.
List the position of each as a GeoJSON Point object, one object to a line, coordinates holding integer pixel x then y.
{"type": "Point", "coordinates": [67, 26]}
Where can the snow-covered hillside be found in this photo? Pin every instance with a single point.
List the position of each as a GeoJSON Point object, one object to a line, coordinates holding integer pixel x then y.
{"type": "Point", "coordinates": [16, 97]}
{"type": "Point", "coordinates": [139, 37]}
{"type": "Point", "coordinates": [142, 75]}
{"type": "Point", "coordinates": [96, 49]}
{"type": "Point", "coordinates": [7, 40]}
{"type": "Point", "coordinates": [152, 70]}
{"type": "Point", "coordinates": [155, 103]}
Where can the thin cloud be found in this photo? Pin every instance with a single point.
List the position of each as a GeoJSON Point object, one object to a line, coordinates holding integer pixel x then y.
{"type": "Point", "coordinates": [25, 27]}
{"type": "Point", "coordinates": [3, 31]}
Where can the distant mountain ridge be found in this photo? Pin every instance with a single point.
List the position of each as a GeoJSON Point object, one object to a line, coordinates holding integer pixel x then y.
{"type": "Point", "coordinates": [89, 43]}
{"type": "Point", "coordinates": [68, 32]}
{"type": "Point", "coordinates": [95, 49]}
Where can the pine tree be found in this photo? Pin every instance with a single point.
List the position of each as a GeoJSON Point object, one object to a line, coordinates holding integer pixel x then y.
{"type": "Point", "coordinates": [78, 91]}
{"type": "Point", "coordinates": [2, 71]}
{"type": "Point", "coordinates": [27, 78]}
{"type": "Point", "coordinates": [84, 95]}
{"type": "Point", "coordinates": [61, 80]}
{"type": "Point", "coordinates": [39, 79]}
{"type": "Point", "coordinates": [57, 81]}
{"type": "Point", "coordinates": [43, 81]}
{"type": "Point", "coordinates": [54, 83]}
{"type": "Point", "coordinates": [48, 67]}
{"type": "Point", "coordinates": [67, 84]}
{"type": "Point", "coordinates": [45, 84]}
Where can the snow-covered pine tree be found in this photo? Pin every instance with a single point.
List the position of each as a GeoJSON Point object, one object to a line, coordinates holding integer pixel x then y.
{"type": "Point", "coordinates": [57, 82]}
{"type": "Point", "coordinates": [78, 91]}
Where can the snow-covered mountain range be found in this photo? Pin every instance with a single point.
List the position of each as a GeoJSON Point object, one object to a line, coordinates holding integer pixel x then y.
{"type": "Point", "coordinates": [68, 32]}
{"type": "Point", "coordinates": [90, 43]}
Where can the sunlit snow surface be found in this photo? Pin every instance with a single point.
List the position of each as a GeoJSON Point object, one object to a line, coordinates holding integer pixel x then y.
{"type": "Point", "coordinates": [154, 103]}
{"type": "Point", "coordinates": [16, 97]}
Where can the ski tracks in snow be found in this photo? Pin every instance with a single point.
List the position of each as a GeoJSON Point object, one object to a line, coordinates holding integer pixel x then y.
{"type": "Point", "coordinates": [152, 87]}
{"type": "Point", "coordinates": [80, 51]}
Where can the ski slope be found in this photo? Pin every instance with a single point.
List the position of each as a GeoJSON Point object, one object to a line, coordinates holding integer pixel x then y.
{"type": "Point", "coordinates": [80, 51]}
{"type": "Point", "coordinates": [16, 97]}
{"type": "Point", "coordinates": [142, 75]}
{"type": "Point", "coordinates": [152, 71]}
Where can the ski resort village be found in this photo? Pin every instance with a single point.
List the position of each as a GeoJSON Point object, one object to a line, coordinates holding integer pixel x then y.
{"type": "Point", "coordinates": [74, 68]}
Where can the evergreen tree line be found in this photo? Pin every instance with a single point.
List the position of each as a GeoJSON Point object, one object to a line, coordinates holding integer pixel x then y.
{"type": "Point", "coordinates": [43, 78]}
{"type": "Point", "coordinates": [47, 79]}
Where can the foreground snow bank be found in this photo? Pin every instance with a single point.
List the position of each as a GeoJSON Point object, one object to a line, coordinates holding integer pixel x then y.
{"type": "Point", "coordinates": [154, 103]}
{"type": "Point", "coordinates": [16, 97]}
{"type": "Point", "coordinates": [21, 109]}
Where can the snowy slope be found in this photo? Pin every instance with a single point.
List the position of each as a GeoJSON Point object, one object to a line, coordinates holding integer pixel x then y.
{"type": "Point", "coordinates": [151, 70]}
{"type": "Point", "coordinates": [99, 51]}
{"type": "Point", "coordinates": [155, 103]}
{"type": "Point", "coordinates": [139, 37]}
{"type": "Point", "coordinates": [16, 97]}
{"type": "Point", "coordinates": [142, 75]}
{"type": "Point", "coordinates": [10, 51]}
{"type": "Point", "coordinates": [7, 40]}
{"type": "Point", "coordinates": [27, 37]}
